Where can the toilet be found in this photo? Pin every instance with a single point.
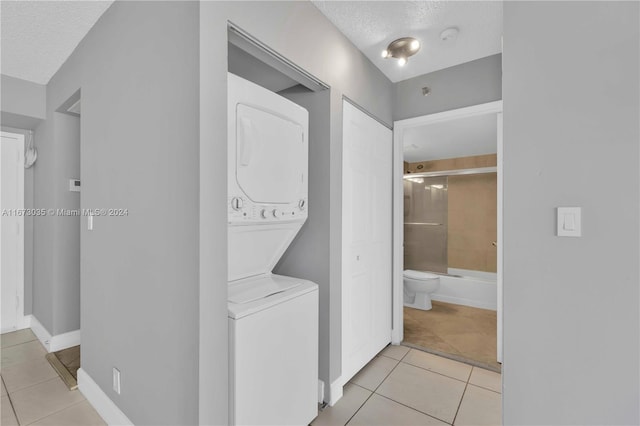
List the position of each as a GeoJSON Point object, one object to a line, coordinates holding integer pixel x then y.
{"type": "Point", "coordinates": [418, 287]}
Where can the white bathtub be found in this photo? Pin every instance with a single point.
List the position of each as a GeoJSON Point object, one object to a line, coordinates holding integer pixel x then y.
{"type": "Point", "coordinates": [470, 288]}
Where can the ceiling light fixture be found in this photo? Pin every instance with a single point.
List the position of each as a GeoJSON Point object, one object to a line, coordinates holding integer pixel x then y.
{"type": "Point", "coordinates": [402, 49]}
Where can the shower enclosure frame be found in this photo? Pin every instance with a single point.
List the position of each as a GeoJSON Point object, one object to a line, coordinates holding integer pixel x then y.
{"type": "Point", "coordinates": [397, 332]}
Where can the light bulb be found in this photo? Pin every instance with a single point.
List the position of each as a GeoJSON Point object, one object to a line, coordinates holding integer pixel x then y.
{"type": "Point", "coordinates": [415, 45]}
{"type": "Point", "coordinates": [402, 62]}
{"type": "Point", "coordinates": [385, 53]}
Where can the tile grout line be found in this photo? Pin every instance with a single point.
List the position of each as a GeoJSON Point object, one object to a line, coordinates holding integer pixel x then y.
{"type": "Point", "coordinates": [374, 391]}
{"type": "Point", "coordinates": [483, 388]}
{"type": "Point", "coordinates": [35, 384]}
{"type": "Point", "coordinates": [361, 405]}
{"type": "Point", "coordinates": [10, 401]}
{"type": "Point", "coordinates": [438, 373]}
{"type": "Point", "coordinates": [55, 412]}
{"type": "Point", "coordinates": [461, 398]}
{"type": "Point", "coordinates": [398, 402]}
{"type": "Point", "coordinates": [455, 357]}
{"type": "Point", "coordinates": [413, 408]}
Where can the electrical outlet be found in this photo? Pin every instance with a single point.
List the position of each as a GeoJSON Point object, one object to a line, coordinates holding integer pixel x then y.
{"type": "Point", "coordinates": [116, 380]}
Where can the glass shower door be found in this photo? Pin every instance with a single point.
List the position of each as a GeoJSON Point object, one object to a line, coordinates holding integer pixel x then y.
{"type": "Point", "coordinates": [425, 224]}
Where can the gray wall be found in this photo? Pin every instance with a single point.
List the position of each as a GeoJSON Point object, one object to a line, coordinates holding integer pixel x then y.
{"type": "Point", "coordinates": [571, 136]}
{"type": "Point", "coordinates": [298, 31]}
{"type": "Point", "coordinates": [66, 254]}
{"type": "Point", "coordinates": [313, 237]}
{"type": "Point", "coordinates": [56, 239]}
{"type": "Point", "coordinates": [463, 85]}
{"type": "Point", "coordinates": [138, 72]}
{"type": "Point", "coordinates": [22, 103]}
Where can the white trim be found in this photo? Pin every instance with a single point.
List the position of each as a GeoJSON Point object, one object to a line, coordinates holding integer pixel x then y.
{"type": "Point", "coordinates": [53, 343]}
{"type": "Point", "coordinates": [20, 287]}
{"type": "Point", "coordinates": [64, 340]}
{"type": "Point", "coordinates": [397, 311]}
{"type": "Point", "coordinates": [398, 238]}
{"type": "Point", "coordinates": [471, 111]}
{"type": "Point", "coordinates": [41, 333]}
{"type": "Point", "coordinates": [105, 407]}
{"type": "Point", "coordinates": [500, 252]}
{"type": "Point", "coordinates": [335, 391]}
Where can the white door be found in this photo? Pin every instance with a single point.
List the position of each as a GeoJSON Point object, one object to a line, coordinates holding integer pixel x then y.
{"type": "Point", "coordinates": [11, 230]}
{"type": "Point", "coordinates": [366, 239]}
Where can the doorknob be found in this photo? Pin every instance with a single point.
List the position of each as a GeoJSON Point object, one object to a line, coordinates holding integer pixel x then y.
{"type": "Point", "coordinates": [494, 243]}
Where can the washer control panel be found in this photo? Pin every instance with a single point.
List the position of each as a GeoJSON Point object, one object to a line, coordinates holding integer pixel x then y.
{"type": "Point", "coordinates": [242, 210]}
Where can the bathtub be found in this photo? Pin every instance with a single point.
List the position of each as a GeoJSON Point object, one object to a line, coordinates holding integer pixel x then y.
{"type": "Point", "coordinates": [470, 288]}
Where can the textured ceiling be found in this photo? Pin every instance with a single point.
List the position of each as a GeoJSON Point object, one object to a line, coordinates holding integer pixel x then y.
{"type": "Point", "coordinates": [372, 25]}
{"type": "Point", "coordinates": [463, 137]}
{"type": "Point", "coordinates": [38, 36]}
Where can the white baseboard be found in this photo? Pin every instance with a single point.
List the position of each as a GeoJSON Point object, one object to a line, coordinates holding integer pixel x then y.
{"type": "Point", "coordinates": [41, 333]}
{"type": "Point", "coordinates": [64, 340]}
{"type": "Point", "coordinates": [107, 409]}
{"type": "Point", "coordinates": [53, 343]}
{"type": "Point", "coordinates": [335, 391]}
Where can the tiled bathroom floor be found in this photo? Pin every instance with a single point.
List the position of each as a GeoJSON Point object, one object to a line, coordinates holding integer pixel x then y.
{"type": "Point", "coordinates": [32, 392]}
{"type": "Point", "coordinates": [467, 333]}
{"type": "Point", "coordinates": [404, 386]}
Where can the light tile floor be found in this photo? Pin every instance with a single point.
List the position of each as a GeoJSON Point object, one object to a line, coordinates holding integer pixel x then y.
{"type": "Point", "coordinates": [32, 392]}
{"type": "Point", "coordinates": [401, 386]}
{"type": "Point", "coordinates": [404, 386]}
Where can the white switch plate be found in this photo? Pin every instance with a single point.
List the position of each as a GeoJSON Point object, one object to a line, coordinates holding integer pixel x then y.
{"type": "Point", "coordinates": [116, 380]}
{"type": "Point", "coordinates": [569, 222]}
{"type": "Point", "coordinates": [74, 185]}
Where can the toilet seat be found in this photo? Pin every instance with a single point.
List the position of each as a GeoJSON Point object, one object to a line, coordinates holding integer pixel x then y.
{"type": "Point", "coordinates": [419, 275]}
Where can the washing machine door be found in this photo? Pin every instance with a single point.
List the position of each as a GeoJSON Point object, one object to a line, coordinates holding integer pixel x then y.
{"type": "Point", "coordinates": [270, 155]}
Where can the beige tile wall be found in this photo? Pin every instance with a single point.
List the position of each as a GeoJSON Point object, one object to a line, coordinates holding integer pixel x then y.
{"type": "Point", "coordinates": [472, 222]}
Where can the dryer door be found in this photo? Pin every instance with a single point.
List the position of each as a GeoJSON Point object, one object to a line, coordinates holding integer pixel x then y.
{"type": "Point", "coordinates": [270, 155]}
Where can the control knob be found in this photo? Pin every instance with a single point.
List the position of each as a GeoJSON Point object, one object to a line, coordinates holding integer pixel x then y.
{"type": "Point", "coordinates": [237, 203]}
{"type": "Point", "coordinates": [301, 204]}
{"type": "Point", "coordinates": [263, 213]}
{"type": "Point", "coordinates": [275, 212]}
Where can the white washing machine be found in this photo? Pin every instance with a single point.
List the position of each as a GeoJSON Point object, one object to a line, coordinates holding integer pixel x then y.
{"type": "Point", "coordinates": [273, 319]}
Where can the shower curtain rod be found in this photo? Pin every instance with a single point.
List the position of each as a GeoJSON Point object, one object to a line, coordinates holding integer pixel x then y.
{"type": "Point", "coordinates": [475, 171]}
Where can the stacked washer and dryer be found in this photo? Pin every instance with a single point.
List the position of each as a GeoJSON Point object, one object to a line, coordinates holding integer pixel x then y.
{"type": "Point", "coordinates": [273, 319]}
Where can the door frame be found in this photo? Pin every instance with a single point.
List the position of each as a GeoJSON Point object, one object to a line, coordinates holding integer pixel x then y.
{"type": "Point", "coordinates": [21, 320]}
{"type": "Point", "coordinates": [397, 332]}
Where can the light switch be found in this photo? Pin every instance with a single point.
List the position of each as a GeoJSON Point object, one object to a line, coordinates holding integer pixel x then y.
{"type": "Point", "coordinates": [569, 222]}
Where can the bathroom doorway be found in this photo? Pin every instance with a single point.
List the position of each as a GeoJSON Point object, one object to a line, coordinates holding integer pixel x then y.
{"type": "Point", "coordinates": [447, 224]}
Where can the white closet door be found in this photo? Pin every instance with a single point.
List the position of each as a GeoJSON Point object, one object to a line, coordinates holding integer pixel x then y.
{"type": "Point", "coordinates": [11, 230]}
{"type": "Point", "coordinates": [366, 239]}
